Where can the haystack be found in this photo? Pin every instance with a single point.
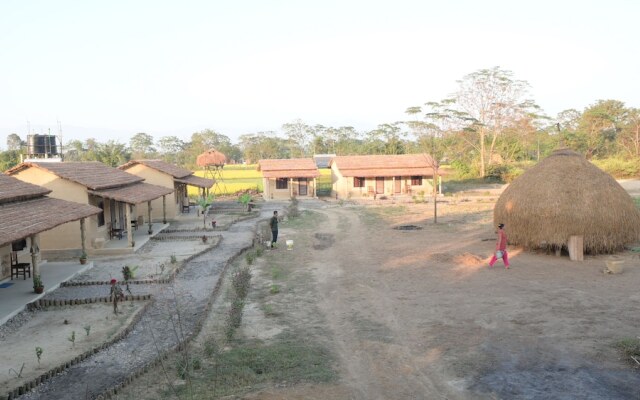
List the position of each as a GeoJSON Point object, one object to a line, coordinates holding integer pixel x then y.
{"type": "Point", "coordinates": [565, 195]}
{"type": "Point", "coordinates": [211, 158]}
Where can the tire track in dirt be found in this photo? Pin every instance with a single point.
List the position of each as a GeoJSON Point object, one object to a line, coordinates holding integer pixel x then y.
{"type": "Point", "coordinates": [376, 354]}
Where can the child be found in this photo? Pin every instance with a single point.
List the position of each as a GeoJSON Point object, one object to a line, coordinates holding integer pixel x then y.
{"type": "Point", "coordinates": [116, 294]}
{"type": "Point", "coordinates": [501, 248]}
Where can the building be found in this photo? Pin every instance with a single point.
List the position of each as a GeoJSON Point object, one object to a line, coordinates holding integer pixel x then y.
{"type": "Point", "coordinates": [26, 215]}
{"type": "Point", "coordinates": [116, 193]}
{"type": "Point", "coordinates": [286, 178]}
{"type": "Point", "coordinates": [170, 176]}
{"type": "Point", "coordinates": [378, 175]}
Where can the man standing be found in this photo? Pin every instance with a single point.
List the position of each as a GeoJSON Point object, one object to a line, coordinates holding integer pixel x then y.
{"type": "Point", "coordinates": [273, 224]}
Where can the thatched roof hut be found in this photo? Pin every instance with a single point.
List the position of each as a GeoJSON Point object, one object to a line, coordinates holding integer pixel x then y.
{"type": "Point", "coordinates": [566, 195]}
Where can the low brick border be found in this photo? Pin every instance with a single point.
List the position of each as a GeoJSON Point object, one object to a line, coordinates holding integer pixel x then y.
{"type": "Point", "coordinates": [112, 392]}
{"type": "Point", "coordinates": [26, 387]}
{"type": "Point", "coordinates": [45, 303]}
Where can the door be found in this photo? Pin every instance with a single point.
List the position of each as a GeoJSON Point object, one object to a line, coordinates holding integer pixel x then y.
{"type": "Point", "coordinates": [379, 185]}
{"type": "Point", "coordinates": [398, 184]}
{"type": "Point", "coordinates": [302, 186]}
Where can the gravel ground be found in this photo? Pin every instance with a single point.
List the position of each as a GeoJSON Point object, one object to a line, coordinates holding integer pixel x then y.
{"type": "Point", "coordinates": [174, 314]}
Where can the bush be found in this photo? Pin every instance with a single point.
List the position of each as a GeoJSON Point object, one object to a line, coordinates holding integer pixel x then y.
{"type": "Point", "coordinates": [619, 168]}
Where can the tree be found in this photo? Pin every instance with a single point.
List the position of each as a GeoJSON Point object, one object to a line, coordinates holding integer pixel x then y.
{"type": "Point", "coordinates": [491, 100]}
{"type": "Point", "coordinates": [112, 153]}
{"type": "Point", "coordinates": [299, 135]}
{"type": "Point", "coordinates": [14, 142]}
{"type": "Point", "coordinates": [141, 145]}
{"type": "Point", "coordinates": [599, 126]}
{"type": "Point", "coordinates": [170, 148]}
{"type": "Point", "coordinates": [629, 137]}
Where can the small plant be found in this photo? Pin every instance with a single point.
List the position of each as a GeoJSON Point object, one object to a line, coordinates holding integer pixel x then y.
{"type": "Point", "coordinates": [245, 199]}
{"type": "Point", "coordinates": [128, 273]}
{"type": "Point", "coordinates": [87, 328]}
{"type": "Point", "coordinates": [241, 281]}
{"type": "Point", "coordinates": [17, 374]}
{"type": "Point", "coordinates": [173, 259]}
{"type": "Point", "coordinates": [72, 338]}
{"type": "Point", "coordinates": [234, 317]}
{"type": "Point", "coordinates": [292, 209]}
{"type": "Point", "coordinates": [204, 238]}
{"type": "Point", "coordinates": [211, 347]}
{"type": "Point", "coordinates": [250, 256]}
{"type": "Point", "coordinates": [37, 283]}
{"type": "Point", "coordinates": [39, 353]}
{"type": "Point", "coordinates": [275, 289]}
{"type": "Point", "coordinates": [259, 252]}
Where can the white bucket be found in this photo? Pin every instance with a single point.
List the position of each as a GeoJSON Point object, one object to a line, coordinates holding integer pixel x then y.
{"type": "Point", "coordinates": [267, 243]}
{"type": "Point", "coordinates": [289, 244]}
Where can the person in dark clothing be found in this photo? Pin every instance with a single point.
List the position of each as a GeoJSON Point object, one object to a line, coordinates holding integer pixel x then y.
{"type": "Point", "coordinates": [273, 224]}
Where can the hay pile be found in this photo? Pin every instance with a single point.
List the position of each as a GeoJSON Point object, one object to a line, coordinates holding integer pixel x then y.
{"type": "Point", "coordinates": [566, 195]}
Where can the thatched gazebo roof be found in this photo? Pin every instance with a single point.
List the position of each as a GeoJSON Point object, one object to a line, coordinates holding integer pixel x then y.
{"type": "Point", "coordinates": [211, 158]}
{"type": "Point", "coordinates": [566, 195]}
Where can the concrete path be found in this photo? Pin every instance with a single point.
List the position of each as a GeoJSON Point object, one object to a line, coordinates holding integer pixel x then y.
{"type": "Point", "coordinates": [174, 315]}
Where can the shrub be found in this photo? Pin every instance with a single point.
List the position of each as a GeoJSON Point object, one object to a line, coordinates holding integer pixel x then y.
{"type": "Point", "coordinates": [241, 281]}
{"type": "Point", "coordinates": [619, 168]}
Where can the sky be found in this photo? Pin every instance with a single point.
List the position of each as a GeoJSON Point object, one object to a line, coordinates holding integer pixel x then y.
{"type": "Point", "coordinates": [110, 69]}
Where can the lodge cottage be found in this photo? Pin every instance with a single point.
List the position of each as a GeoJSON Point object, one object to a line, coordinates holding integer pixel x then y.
{"type": "Point", "coordinates": [377, 175]}
{"type": "Point", "coordinates": [26, 214]}
{"type": "Point", "coordinates": [286, 178]}
{"type": "Point", "coordinates": [170, 176]}
{"type": "Point", "coordinates": [116, 193]}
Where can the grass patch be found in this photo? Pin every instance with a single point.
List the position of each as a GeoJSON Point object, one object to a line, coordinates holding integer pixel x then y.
{"type": "Point", "coordinates": [253, 365]}
{"type": "Point", "coordinates": [629, 347]}
{"type": "Point", "coordinates": [637, 201]}
{"type": "Point", "coordinates": [306, 220]}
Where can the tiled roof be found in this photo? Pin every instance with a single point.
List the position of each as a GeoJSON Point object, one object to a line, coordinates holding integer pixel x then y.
{"type": "Point", "coordinates": [384, 165]}
{"type": "Point", "coordinates": [196, 181]}
{"type": "Point", "coordinates": [94, 175]}
{"type": "Point", "coordinates": [133, 194]}
{"type": "Point", "coordinates": [13, 189]}
{"type": "Point", "coordinates": [289, 168]}
{"type": "Point", "coordinates": [22, 219]}
{"type": "Point", "coordinates": [159, 165]}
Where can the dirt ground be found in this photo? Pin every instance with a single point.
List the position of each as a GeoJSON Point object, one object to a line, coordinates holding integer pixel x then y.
{"type": "Point", "coordinates": [417, 314]}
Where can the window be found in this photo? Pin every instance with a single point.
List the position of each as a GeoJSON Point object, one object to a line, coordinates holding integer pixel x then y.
{"type": "Point", "coordinates": [358, 182]}
{"type": "Point", "coordinates": [416, 181]}
{"type": "Point", "coordinates": [282, 183]}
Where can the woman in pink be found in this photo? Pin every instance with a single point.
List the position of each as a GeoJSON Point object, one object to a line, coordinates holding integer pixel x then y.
{"type": "Point", "coordinates": [501, 245]}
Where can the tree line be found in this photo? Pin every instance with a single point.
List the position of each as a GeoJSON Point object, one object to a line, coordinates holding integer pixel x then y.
{"type": "Point", "coordinates": [486, 127]}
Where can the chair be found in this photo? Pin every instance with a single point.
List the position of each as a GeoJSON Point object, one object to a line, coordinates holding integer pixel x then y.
{"type": "Point", "coordinates": [114, 232]}
{"type": "Point", "coordinates": [19, 268]}
{"type": "Point", "coordinates": [186, 207]}
{"type": "Point", "coordinates": [134, 224]}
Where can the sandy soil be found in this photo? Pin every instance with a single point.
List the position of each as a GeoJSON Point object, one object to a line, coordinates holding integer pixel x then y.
{"type": "Point", "coordinates": [418, 314]}
{"type": "Point", "coordinates": [51, 330]}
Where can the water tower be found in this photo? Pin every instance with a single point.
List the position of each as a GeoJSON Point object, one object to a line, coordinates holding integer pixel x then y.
{"type": "Point", "coordinates": [212, 161]}
{"type": "Point", "coordinates": [43, 148]}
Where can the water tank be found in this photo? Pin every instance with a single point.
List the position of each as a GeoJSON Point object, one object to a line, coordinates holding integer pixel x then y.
{"type": "Point", "coordinates": [41, 145]}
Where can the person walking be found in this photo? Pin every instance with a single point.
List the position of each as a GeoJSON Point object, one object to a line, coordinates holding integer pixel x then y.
{"type": "Point", "coordinates": [273, 224]}
{"type": "Point", "coordinates": [501, 248]}
{"type": "Point", "coordinates": [116, 294]}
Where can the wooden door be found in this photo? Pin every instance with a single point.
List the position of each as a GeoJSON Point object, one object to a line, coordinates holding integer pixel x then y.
{"type": "Point", "coordinates": [398, 184]}
{"type": "Point", "coordinates": [379, 185]}
{"type": "Point", "coordinates": [302, 186]}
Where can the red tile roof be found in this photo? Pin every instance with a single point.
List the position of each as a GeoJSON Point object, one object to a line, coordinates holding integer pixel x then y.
{"type": "Point", "coordinates": [133, 194]}
{"type": "Point", "coordinates": [196, 181]}
{"type": "Point", "coordinates": [159, 165]}
{"type": "Point", "coordinates": [289, 168]}
{"type": "Point", "coordinates": [384, 165]}
{"type": "Point", "coordinates": [94, 175]}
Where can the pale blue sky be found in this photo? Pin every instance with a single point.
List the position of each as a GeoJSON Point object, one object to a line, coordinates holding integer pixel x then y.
{"type": "Point", "coordinates": [110, 69]}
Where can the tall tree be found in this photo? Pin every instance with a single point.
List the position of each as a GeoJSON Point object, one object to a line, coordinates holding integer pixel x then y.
{"type": "Point", "coordinates": [629, 137]}
{"type": "Point", "coordinates": [599, 126]}
{"type": "Point", "coordinates": [141, 145]}
{"type": "Point", "coordinates": [14, 142]}
{"type": "Point", "coordinates": [493, 100]}
{"type": "Point", "coordinates": [170, 148]}
{"type": "Point", "coordinates": [299, 136]}
{"type": "Point", "coordinates": [112, 153]}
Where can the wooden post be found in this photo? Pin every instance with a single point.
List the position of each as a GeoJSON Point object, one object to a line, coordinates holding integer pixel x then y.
{"type": "Point", "coordinates": [83, 236]}
{"type": "Point", "coordinates": [150, 231]}
{"type": "Point", "coordinates": [315, 184]}
{"type": "Point", "coordinates": [164, 209]}
{"type": "Point", "coordinates": [127, 220]}
{"type": "Point", "coordinates": [35, 250]}
{"type": "Point", "coordinates": [576, 248]}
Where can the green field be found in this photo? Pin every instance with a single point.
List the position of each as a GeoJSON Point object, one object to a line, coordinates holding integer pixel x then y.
{"type": "Point", "coordinates": [236, 178]}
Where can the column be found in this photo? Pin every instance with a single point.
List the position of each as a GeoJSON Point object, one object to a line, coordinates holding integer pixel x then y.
{"type": "Point", "coordinates": [127, 220]}
{"type": "Point", "coordinates": [35, 251]}
{"type": "Point", "coordinates": [150, 231]}
{"type": "Point", "coordinates": [164, 209]}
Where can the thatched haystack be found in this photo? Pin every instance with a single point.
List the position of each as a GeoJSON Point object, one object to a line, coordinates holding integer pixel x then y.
{"type": "Point", "coordinates": [211, 158]}
{"type": "Point", "coordinates": [566, 195]}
